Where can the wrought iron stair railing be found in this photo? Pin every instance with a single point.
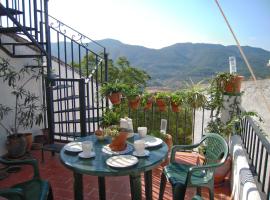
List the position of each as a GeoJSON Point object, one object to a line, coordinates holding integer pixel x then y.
{"type": "Point", "coordinates": [80, 65]}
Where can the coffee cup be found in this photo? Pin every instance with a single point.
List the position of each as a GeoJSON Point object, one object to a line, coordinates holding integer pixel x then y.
{"type": "Point", "coordinates": [142, 131]}
{"type": "Point", "coordinates": [139, 146]}
{"type": "Point", "coordinates": [87, 147]}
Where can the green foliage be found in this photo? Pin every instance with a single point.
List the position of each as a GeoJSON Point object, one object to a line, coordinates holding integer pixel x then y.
{"type": "Point", "coordinates": [195, 96]}
{"type": "Point", "coordinates": [112, 87]}
{"type": "Point", "coordinates": [110, 117]}
{"type": "Point", "coordinates": [127, 74]}
{"type": "Point", "coordinates": [145, 98]}
{"type": "Point", "coordinates": [158, 134]}
{"type": "Point", "coordinates": [132, 92]}
{"type": "Point", "coordinates": [27, 110]}
{"type": "Point", "coordinates": [178, 97]}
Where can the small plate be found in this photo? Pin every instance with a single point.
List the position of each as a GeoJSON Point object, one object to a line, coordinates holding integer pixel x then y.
{"type": "Point", "coordinates": [73, 147]}
{"type": "Point", "coordinates": [146, 153]}
{"type": "Point", "coordinates": [91, 155]}
{"type": "Point", "coordinates": [152, 141]}
{"type": "Point", "coordinates": [122, 161]}
{"type": "Point", "coordinates": [106, 149]}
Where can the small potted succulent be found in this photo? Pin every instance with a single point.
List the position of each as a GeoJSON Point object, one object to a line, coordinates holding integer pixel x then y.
{"type": "Point", "coordinates": [113, 91]}
{"type": "Point", "coordinates": [147, 101]}
{"type": "Point", "coordinates": [26, 110]}
{"type": "Point", "coordinates": [177, 99]}
{"type": "Point", "coordinates": [133, 95]}
{"type": "Point", "coordinates": [162, 100]}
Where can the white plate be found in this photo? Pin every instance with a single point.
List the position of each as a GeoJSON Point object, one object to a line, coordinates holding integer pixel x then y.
{"type": "Point", "coordinates": [106, 149]}
{"type": "Point", "coordinates": [91, 155]}
{"type": "Point", "coordinates": [152, 141]}
{"type": "Point", "coordinates": [146, 153]}
{"type": "Point", "coordinates": [73, 147]}
{"type": "Point", "coordinates": [122, 161]}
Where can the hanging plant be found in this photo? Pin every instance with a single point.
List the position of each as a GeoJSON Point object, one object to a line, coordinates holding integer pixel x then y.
{"type": "Point", "coordinates": [162, 101]}
{"type": "Point", "coordinates": [133, 95]}
{"type": "Point", "coordinates": [177, 99]}
{"type": "Point", "coordinates": [113, 91]}
{"type": "Point", "coordinates": [147, 101]}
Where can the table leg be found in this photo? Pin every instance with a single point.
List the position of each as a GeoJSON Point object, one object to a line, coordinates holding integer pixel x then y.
{"type": "Point", "coordinates": [77, 186]}
{"type": "Point", "coordinates": [101, 188]}
{"type": "Point", "coordinates": [148, 184]}
{"type": "Point", "coordinates": [135, 186]}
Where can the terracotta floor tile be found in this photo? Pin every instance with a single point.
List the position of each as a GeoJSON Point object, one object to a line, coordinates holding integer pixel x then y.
{"type": "Point", "coordinates": [117, 188]}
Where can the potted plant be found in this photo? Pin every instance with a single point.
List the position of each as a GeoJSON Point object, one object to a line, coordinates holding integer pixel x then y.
{"type": "Point", "coordinates": [147, 101]}
{"type": "Point", "coordinates": [119, 137]}
{"type": "Point", "coordinates": [113, 91]}
{"type": "Point", "coordinates": [229, 83]}
{"type": "Point", "coordinates": [133, 96]}
{"type": "Point", "coordinates": [162, 100]}
{"type": "Point", "coordinates": [195, 96]}
{"type": "Point", "coordinates": [26, 108]}
{"type": "Point", "coordinates": [177, 99]}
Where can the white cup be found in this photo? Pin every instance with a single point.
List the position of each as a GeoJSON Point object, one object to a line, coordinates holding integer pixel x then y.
{"type": "Point", "coordinates": [87, 147]}
{"type": "Point", "coordinates": [139, 146]}
{"type": "Point", "coordinates": [142, 131]}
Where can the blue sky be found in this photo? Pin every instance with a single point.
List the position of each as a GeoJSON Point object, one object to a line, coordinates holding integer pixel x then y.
{"type": "Point", "coordinates": [160, 23]}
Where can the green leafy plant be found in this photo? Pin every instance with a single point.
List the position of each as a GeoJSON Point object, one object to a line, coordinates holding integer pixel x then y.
{"type": "Point", "coordinates": [112, 131]}
{"type": "Point", "coordinates": [112, 87]}
{"type": "Point", "coordinates": [162, 95]}
{"type": "Point", "coordinates": [132, 92]}
{"type": "Point", "coordinates": [110, 117]}
{"type": "Point", "coordinates": [27, 109]}
{"type": "Point", "coordinates": [178, 97]}
{"type": "Point", "coordinates": [196, 95]}
{"type": "Point", "coordinates": [145, 98]}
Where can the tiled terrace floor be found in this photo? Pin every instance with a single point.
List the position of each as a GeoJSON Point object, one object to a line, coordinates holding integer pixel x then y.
{"type": "Point", "coordinates": [117, 188]}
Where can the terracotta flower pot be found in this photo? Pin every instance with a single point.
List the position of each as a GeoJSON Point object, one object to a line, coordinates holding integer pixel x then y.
{"type": "Point", "coordinates": [234, 86]}
{"type": "Point", "coordinates": [134, 103]}
{"type": "Point", "coordinates": [16, 145]}
{"type": "Point", "coordinates": [175, 107]}
{"type": "Point", "coordinates": [162, 106]}
{"type": "Point", "coordinates": [119, 142]}
{"type": "Point", "coordinates": [115, 98]}
{"type": "Point", "coordinates": [29, 141]}
{"type": "Point", "coordinates": [148, 105]}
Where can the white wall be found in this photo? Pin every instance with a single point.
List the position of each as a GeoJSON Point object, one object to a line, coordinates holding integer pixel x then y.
{"type": "Point", "coordinates": [7, 99]}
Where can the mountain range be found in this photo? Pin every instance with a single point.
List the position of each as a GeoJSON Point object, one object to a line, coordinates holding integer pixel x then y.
{"type": "Point", "coordinates": [171, 66]}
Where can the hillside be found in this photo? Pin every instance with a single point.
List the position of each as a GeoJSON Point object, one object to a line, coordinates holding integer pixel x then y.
{"type": "Point", "coordinates": [171, 66]}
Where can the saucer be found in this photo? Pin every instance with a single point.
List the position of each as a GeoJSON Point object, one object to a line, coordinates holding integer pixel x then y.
{"type": "Point", "coordinates": [91, 155]}
{"type": "Point", "coordinates": [146, 153]}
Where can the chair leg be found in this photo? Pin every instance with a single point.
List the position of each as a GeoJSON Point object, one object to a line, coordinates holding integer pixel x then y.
{"type": "Point", "coordinates": [211, 193]}
{"type": "Point", "coordinates": [42, 155]}
{"type": "Point", "coordinates": [50, 196]}
{"type": "Point", "coordinates": [162, 186]}
{"type": "Point", "coordinates": [179, 192]}
{"type": "Point", "coordinates": [199, 191]}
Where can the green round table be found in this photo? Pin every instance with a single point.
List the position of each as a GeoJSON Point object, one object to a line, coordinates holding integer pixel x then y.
{"type": "Point", "coordinates": [97, 167]}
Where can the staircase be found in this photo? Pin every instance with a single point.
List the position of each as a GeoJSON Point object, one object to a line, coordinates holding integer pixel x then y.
{"type": "Point", "coordinates": [75, 66]}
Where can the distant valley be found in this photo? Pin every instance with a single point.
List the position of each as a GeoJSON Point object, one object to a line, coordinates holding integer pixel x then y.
{"type": "Point", "coordinates": [173, 65]}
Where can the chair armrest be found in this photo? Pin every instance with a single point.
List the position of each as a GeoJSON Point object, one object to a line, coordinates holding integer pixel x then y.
{"type": "Point", "coordinates": [32, 162]}
{"type": "Point", "coordinates": [201, 168]}
{"type": "Point", "coordinates": [179, 148]}
{"type": "Point", "coordinates": [11, 192]}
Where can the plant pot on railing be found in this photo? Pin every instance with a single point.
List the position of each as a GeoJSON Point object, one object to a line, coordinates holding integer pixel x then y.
{"type": "Point", "coordinates": [148, 104]}
{"type": "Point", "coordinates": [175, 107]}
{"type": "Point", "coordinates": [16, 145]}
{"type": "Point", "coordinates": [115, 98]}
{"type": "Point", "coordinates": [134, 103]}
{"type": "Point", "coordinates": [234, 85]}
{"type": "Point", "coordinates": [161, 103]}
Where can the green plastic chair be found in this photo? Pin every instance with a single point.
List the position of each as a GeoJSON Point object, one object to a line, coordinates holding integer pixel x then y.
{"type": "Point", "coordinates": [182, 176]}
{"type": "Point", "coordinates": [33, 189]}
